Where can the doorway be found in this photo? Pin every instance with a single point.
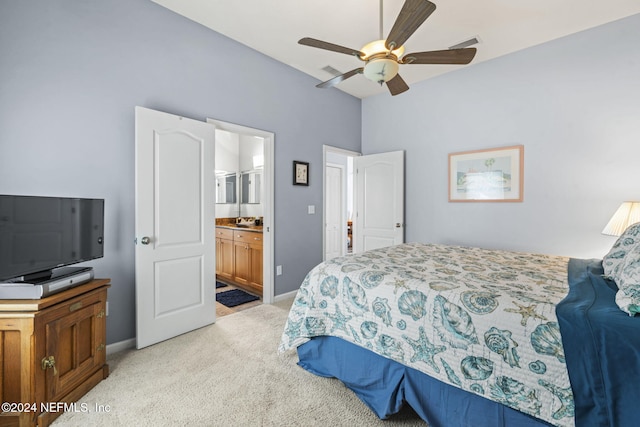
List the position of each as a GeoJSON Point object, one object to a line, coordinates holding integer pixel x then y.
{"type": "Point", "coordinates": [256, 164]}
{"type": "Point", "coordinates": [338, 192]}
{"type": "Point", "coordinates": [373, 214]}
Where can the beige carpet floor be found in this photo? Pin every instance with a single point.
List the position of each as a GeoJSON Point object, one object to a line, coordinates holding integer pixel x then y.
{"type": "Point", "coordinates": [226, 374]}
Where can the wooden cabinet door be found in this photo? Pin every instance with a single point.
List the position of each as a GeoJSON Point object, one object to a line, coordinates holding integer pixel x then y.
{"type": "Point", "coordinates": [255, 257]}
{"type": "Point", "coordinates": [76, 342]}
{"type": "Point", "coordinates": [242, 263]}
{"type": "Point", "coordinates": [224, 259]}
{"type": "Point", "coordinates": [218, 257]}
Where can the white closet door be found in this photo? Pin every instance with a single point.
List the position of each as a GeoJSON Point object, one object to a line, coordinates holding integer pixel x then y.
{"type": "Point", "coordinates": [379, 196]}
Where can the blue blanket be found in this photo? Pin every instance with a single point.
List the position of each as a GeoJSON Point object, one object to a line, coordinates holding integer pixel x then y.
{"type": "Point", "coordinates": [602, 349]}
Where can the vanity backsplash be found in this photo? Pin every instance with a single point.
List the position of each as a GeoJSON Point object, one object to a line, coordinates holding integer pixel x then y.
{"type": "Point", "coordinates": [239, 220]}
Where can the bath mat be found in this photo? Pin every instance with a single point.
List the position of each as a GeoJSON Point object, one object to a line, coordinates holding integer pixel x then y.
{"type": "Point", "coordinates": [234, 297]}
{"type": "Point", "coordinates": [220, 285]}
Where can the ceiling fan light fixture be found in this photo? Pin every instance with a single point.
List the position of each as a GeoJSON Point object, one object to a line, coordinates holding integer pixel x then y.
{"type": "Point", "coordinates": [377, 47]}
{"type": "Point", "coordinates": [381, 70]}
{"type": "Point", "coordinates": [383, 57]}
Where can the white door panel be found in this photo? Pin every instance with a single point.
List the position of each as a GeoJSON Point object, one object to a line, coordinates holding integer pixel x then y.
{"type": "Point", "coordinates": [373, 242]}
{"type": "Point", "coordinates": [170, 298]}
{"type": "Point", "coordinates": [175, 216]}
{"type": "Point", "coordinates": [333, 213]}
{"type": "Point", "coordinates": [379, 198]}
{"type": "Point", "coordinates": [179, 188]}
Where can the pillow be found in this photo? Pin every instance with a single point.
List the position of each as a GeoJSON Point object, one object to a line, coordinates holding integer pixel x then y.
{"type": "Point", "coordinates": [628, 295]}
{"type": "Point", "coordinates": [614, 259]}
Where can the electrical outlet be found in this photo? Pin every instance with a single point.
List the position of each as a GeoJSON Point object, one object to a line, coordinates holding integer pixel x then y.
{"type": "Point", "coordinates": [278, 270]}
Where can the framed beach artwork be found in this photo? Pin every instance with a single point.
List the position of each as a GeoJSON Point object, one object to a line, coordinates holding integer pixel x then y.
{"type": "Point", "coordinates": [490, 175]}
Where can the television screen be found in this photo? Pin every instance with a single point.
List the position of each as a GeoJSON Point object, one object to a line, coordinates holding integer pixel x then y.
{"type": "Point", "coordinates": [38, 234]}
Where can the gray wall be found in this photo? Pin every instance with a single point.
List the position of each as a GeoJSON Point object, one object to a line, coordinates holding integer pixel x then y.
{"type": "Point", "coordinates": [71, 72]}
{"type": "Point", "coordinates": [573, 103]}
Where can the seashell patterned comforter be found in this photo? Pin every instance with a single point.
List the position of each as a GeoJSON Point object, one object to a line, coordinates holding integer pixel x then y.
{"type": "Point", "coordinates": [482, 320]}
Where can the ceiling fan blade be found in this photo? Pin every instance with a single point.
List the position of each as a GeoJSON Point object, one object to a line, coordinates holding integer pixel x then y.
{"type": "Point", "coordinates": [334, 81]}
{"type": "Point", "coordinates": [397, 85]}
{"type": "Point", "coordinates": [412, 15]}
{"type": "Point", "coordinates": [448, 56]}
{"type": "Point", "coordinates": [307, 41]}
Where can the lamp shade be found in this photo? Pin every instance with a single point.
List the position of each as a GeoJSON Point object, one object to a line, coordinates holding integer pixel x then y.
{"type": "Point", "coordinates": [382, 63]}
{"type": "Point", "coordinates": [627, 214]}
{"type": "Point", "coordinates": [381, 70]}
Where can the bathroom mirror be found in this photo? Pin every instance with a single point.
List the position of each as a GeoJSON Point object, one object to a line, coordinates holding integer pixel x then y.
{"type": "Point", "coordinates": [226, 189]}
{"type": "Point", "coordinates": [250, 187]}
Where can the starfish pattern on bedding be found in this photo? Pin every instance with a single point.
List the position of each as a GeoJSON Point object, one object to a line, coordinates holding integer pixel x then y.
{"type": "Point", "coordinates": [292, 329]}
{"type": "Point", "coordinates": [424, 350]}
{"type": "Point", "coordinates": [526, 312]}
{"type": "Point", "coordinates": [399, 284]}
{"type": "Point", "coordinates": [338, 320]}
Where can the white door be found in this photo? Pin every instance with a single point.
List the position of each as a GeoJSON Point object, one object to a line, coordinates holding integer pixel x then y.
{"type": "Point", "coordinates": [379, 195]}
{"type": "Point", "coordinates": [334, 213]}
{"type": "Point", "coordinates": [175, 220]}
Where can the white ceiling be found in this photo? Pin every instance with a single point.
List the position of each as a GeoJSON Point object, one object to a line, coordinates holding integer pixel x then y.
{"type": "Point", "coordinates": [274, 27]}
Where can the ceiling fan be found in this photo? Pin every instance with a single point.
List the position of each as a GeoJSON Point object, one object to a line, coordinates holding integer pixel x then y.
{"type": "Point", "coordinates": [383, 57]}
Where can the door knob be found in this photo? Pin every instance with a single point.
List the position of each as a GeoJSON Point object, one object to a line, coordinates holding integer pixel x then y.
{"type": "Point", "coordinates": [145, 240]}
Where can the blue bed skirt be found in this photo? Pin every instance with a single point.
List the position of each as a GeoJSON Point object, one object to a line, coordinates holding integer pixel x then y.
{"type": "Point", "coordinates": [385, 385]}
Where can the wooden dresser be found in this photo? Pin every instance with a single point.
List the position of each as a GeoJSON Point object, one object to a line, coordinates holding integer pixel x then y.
{"type": "Point", "coordinates": [52, 351]}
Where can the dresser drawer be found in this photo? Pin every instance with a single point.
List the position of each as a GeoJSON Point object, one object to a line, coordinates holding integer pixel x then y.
{"type": "Point", "coordinates": [247, 236]}
{"type": "Point", "coordinates": [224, 233]}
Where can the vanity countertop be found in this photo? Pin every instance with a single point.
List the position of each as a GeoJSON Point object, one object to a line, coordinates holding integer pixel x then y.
{"type": "Point", "coordinates": [243, 227]}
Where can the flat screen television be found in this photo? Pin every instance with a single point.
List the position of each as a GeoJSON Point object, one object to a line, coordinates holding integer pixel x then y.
{"type": "Point", "coordinates": [41, 234]}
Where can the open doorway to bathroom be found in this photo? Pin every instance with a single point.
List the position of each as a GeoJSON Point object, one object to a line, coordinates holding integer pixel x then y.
{"type": "Point", "coordinates": [338, 194]}
{"type": "Point", "coordinates": [244, 216]}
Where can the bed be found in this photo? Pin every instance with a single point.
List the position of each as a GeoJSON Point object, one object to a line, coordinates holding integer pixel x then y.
{"type": "Point", "coordinates": [470, 336]}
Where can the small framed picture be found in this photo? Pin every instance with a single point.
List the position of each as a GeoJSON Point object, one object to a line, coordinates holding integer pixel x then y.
{"type": "Point", "coordinates": [300, 173]}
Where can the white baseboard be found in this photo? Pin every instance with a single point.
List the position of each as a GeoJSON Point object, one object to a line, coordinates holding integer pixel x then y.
{"type": "Point", "coordinates": [282, 297]}
{"type": "Point", "coordinates": [122, 345]}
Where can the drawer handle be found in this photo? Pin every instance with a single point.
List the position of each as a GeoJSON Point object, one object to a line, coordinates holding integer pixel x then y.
{"type": "Point", "coordinates": [257, 238]}
{"type": "Point", "coordinates": [75, 306]}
